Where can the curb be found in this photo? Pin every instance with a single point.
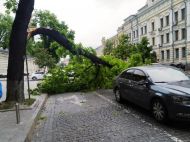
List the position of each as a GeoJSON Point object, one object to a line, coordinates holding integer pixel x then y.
{"type": "Point", "coordinates": [35, 119]}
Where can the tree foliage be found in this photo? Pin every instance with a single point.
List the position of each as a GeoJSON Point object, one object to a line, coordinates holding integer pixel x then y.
{"type": "Point", "coordinates": [43, 59]}
{"type": "Point", "coordinates": [6, 22]}
{"type": "Point", "coordinates": [46, 19]}
{"type": "Point", "coordinates": [82, 75]}
{"type": "Point", "coordinates": [144, 48]}
{"type": "Point", "coordinates": [123, 49]}
{"type": "Point", "coordinates": [108, 48]}
{"type": "Point", "coordinates": [11, 6]}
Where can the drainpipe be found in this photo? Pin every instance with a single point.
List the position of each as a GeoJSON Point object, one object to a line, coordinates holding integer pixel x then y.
{"type": "Point", "coordinates": [185, 2]}
{"type": "Point", "coordinates": [172, 29]}
{"type": "Point", "coordinates": [137, 26]}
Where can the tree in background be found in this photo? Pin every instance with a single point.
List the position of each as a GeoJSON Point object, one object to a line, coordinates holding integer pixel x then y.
{"type": "Point", "coordinates": [46, 19]}
{"type": "Point", "coordinates": [108, 47]}
{"type": "Point", "coordinates": [6, 22]}
{"type": "Point", "coordinates": [11, 6]}
{"type": "Point", "coordinates": [123, 49]}
{"type": "Point", "coordinates": [43, 59]}
{"type": "Point", "coordinates": [144, 49]}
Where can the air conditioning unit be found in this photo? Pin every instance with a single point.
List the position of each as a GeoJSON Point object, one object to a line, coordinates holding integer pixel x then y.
{"type": "Point", "coordinates": [160, 45]}
{"type": "Point", "coordinates": [159, 29]}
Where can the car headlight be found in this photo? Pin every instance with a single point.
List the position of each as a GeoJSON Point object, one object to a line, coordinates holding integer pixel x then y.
{"type": "Point", "coordinates": [181, 100]}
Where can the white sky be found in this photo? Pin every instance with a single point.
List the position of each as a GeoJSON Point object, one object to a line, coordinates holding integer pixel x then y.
{"type": "Point", "coordinates": [90, 19]}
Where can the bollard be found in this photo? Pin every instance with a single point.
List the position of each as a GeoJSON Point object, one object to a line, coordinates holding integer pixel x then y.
{"type": "Point", "coordinates": [17, 113]}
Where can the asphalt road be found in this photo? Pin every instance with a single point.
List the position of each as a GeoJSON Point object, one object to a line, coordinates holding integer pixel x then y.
{"type": "Point", "coordinates": [33, 85]}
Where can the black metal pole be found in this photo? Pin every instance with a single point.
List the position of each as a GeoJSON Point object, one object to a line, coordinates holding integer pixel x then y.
{"type": "Point", "coordinates": [27, 77]}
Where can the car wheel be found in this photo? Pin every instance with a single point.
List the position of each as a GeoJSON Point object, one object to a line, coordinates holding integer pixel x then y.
{"type": "Point", "coordinates": [118, 96]}
{"type": "Point", "coordinates": [159, 111]}
{"type": "Point", "coordinates": [34, 78]}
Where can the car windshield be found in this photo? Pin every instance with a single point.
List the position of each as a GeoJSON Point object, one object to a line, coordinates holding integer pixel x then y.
{"type": "Point", "coordinates": [164, 75]}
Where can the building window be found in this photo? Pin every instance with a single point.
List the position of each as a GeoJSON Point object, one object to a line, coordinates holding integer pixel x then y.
{"type": "Point", "coordinates": [177, 53]}
{"type": "Point", "coordinates": [184, 52]}
{"type": "Point", "coordinates": [176, 35]}
{"type": "Point", "coordinates": [168, 54]}
{"type": "Point", "coordinates": [168, 37]}
{"type": "Point", "coordinates": [145, 29]}
{"type": "Point", "coordinates": [133, 34]}
{"type": "Point", "coordinates": [153, 41]}
{"type": "Point", "coordinates": [161, 23]}
{"type": "Point", "coordinates": [142, 31]}
{"type": "Point", "coordinates": [176, 16]}
{"type": "Point", "coordinates": [137, 33]}
{"type": "Point", "coordinates": [183, 14]}
{"type": "Point", "coordinates": [167, 20]}
{"type": "Point", "coordinates": [162, 39]}
{"type": "Point", "coordinates": [183, 33]}
{"type": "Point", "coordinates": [162, 54]}
{"type": "Point", "coordinates": [153, 28]}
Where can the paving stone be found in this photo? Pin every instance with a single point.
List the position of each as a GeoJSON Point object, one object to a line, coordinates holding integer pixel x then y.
{"type": "Point", "coordinates": [74, 117]}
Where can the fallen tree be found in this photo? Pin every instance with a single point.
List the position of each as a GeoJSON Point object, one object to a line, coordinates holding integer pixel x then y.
{"type": "Point", "coordinates": [62, 40]}
{"type": "Point", "coordinates": [17, 49]}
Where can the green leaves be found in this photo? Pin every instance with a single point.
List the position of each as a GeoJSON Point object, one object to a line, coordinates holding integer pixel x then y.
{"type": "Point", "coordinates": [135, 54]}
{"type": "Point", "coordinates": [81, 75]}
{"type": "Point", "coordinates": [11, 6]}
{"type": "Point", "coordinates": [46, 19]}
{"type": "Point", "coordinates": [108, 48]}
{"type": "Point", "coordinates": [43, 58]}
{"type": "Point", "coordinates": [5, 30]}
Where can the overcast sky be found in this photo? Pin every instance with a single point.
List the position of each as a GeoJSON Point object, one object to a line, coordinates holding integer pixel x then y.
{"type": "Point", "coordinates": [91, 19]}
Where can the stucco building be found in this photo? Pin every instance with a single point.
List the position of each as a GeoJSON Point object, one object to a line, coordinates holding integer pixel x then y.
{"type": "Point", "coordinates": [166, 23]}
{"type": "Point", "coordinates": [32, 67]}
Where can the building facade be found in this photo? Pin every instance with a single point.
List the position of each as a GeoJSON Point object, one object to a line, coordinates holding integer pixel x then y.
{"type": "Point", "coordinates": [32, 67]}
{"type": "Point", "coordinates": [166, 23]}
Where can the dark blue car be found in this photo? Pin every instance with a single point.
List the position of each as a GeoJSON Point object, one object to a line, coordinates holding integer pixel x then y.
{"type": "Point", "coordinates": [163, 90]}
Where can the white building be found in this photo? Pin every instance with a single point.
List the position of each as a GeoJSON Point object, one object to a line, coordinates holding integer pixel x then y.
{"type": "Point", "coordinates": [166, 23]}
{"type": "Point", "coordinates": [32, 67]}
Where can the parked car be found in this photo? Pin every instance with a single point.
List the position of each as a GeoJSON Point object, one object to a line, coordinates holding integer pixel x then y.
{"type": "Point", "coordinates": [37, 75]}
{"type": "Point", "coordinates": [162, 89]}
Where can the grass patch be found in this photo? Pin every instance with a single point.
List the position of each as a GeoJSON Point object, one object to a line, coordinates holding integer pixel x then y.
{"type": "Point", "coordinates": [35, 92]}
{"type": "Point", "coordinates": [29, 102]}
{"type": "Point", "coordinates": [11, 105]}
{"type": "Point", "coordinates": [7, 105]}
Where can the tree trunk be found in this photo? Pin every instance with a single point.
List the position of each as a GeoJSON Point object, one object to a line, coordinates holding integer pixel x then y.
{"type": "Point", "coordinates": [17, 50]}
{"type": "Point", "coordinates": [62, 40]}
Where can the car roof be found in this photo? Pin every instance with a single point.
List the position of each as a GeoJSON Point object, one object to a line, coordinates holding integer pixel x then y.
{"type": "Point", "coordinates": [145, 68]}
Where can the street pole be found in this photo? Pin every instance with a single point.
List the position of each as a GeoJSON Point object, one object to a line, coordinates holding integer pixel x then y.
{"type": "Point", "coordinates": [17, 113]}
{"type": "Point", "coordinates": [27, 77]}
